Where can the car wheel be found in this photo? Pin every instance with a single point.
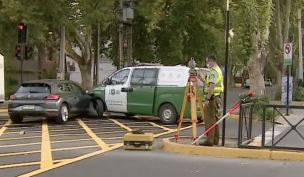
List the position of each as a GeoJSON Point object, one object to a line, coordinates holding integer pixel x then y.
{"type": "Point", "coordinates": [129, 115]}
{"type": "Point", "coordinates": [63, 114]}
{"type": "Point", "coordinates": [99, 107]}
{"type": "Point", "coordinates": [16, 119]}
{"type": "Point", "coordinates": [167, 114]}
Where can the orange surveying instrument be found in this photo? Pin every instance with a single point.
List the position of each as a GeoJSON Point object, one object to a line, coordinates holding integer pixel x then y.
{"type": "Point", "coordinates": [193, 95]}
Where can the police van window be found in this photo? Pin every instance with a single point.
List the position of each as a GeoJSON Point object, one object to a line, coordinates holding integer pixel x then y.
{"type": "Point", "coordinates": [137, 76]}
{"type": "Point", "coordinates": [150, 76]}
{"type": "Point", "coordinates": [120, 77]}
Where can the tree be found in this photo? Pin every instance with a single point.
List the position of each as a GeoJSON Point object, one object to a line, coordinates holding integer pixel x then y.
{"type": "Point", "coordinates": [254, 20]}
{"type": "Point", "coordinates": [83, 16]}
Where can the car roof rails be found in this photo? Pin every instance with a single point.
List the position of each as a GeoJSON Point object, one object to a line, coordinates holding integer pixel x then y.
{"type": "Point", "coordinates": [149, 64]}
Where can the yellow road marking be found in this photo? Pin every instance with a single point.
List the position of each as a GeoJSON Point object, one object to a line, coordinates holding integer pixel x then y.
{"type": "Point", "coordinates": [20, 138]}
{"type": "Point", "coordinates": [53, 150]}
{"type": "Point", "coordinates": [101, 144]}
{"type": "Point", "coordinates": [4, 127]}
{"type": "Point", "coordinates": [39, 171]}
{"type": "Point", "coordinates": [27, 164]}
{"type": "Point", "coordinates": [3, 110]}
{"type": "Point", "coordinates": [19, 153]}
{"type": "Point", "coordinates": [17, 145]}
{"type": "Point", "coordinates": [46, 150]}
{"type": "Point", "coordinates": [164, 133]}
{"type": "Point", "coordinates": [159, 126]}
{"type": "Point", "coordinates": [121, 125]}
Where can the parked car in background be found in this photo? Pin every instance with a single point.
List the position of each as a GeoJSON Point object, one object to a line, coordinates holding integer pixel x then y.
{"type": "Point", "coordinates": [267, 83]}
{"type": "Point", "coordinates": [50, 98]}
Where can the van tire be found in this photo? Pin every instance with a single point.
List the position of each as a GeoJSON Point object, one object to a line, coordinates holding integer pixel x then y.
{"type": "Point", "coordinates": [167, 114]}
{"type": "Point", "coordinates": [99, 107]}
{"type": "Point", "coordinates": [16, 119]}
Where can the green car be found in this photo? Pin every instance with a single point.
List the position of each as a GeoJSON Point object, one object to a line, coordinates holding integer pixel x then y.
{"type": "Point", "coordinates": [145, 90]}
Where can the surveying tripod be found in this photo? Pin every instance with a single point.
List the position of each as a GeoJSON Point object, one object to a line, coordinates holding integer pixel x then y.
{"type": "Point", "coordinates": [192, 94]}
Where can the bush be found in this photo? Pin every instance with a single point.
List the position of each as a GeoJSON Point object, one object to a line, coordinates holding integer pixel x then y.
{"type": "Point", "coordinates": [270, 114]}
{"type": "Point", "coordinates": [258, 101]}
{"type": "Point", "coordinates": [298, 94]}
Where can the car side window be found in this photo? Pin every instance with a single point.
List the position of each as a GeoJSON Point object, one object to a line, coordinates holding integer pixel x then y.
{"type": "Point", "coordinates": [120, 77]}
{"type": "Point", "coordinates": [137, 76]}
{"type": "Point", "coordinates": [63, 88]}
{"type": "Point", "coordinates": [74, 88]}
{"type": "Point", "coordinates": [150, 76]}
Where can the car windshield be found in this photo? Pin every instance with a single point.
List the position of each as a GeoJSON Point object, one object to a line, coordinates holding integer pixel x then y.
{"type": "Point", "coordinates": [34, 88]}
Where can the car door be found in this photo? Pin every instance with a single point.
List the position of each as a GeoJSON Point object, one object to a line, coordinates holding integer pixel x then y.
{"type": "Point", "coordinates": [116, 100]}
{"type": "Point", "coordinates": [82, 99]}
{"type": "Point", "coordinates": [67, 95]}
{"type": "Point", "coordinates": [143, 83]}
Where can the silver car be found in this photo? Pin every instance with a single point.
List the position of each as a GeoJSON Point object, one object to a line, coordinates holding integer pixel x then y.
{"type": "Point", "coordinates": [51, 98]}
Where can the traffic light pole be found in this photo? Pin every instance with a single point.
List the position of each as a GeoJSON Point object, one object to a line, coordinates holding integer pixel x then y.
{"type": "Point", "coordinates": [21, 60]}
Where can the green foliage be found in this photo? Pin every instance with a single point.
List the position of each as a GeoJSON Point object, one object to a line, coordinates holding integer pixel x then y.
{"type": "Point", "coordinates": [271, 114]}
{"type": "Point", "coordinates": [298, 94]}
{"type": "Point", "coordinates": [259, 101]}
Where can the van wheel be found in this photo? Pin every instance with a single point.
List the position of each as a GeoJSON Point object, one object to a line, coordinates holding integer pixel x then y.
{"type": "Point", "coordinates": [16, 119]}
{"type": "Point", "coordinates": [99, 107]}
{"type": "Point", "coordinates": [167, 114]}
{"type": "Point", "coordinates": [63, 114]}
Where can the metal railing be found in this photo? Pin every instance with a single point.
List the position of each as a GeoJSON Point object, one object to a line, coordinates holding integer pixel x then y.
{"type": "Point", "coordinates": [245, 124]}
{"type": "Point", "coordinates": [273, 141]}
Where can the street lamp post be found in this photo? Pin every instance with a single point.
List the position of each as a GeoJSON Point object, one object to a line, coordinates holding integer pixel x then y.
{"type": "Point", "coordinates": [226, 71]}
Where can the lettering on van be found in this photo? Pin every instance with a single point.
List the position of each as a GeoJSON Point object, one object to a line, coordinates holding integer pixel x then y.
{"type": "Point", "coordinates": [115, 103]}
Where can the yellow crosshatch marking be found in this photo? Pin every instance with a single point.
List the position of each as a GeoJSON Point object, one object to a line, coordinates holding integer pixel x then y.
{"type": "Point", "coordinates": [96, 136]}
{"type": "Point", "coordinates": [46, 152]}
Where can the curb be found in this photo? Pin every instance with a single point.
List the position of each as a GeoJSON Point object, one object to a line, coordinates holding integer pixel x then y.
{"type": "Point", "coordinates": [227, 152]}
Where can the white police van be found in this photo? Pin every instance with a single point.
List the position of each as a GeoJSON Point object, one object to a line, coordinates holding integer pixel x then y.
{"type": "Point", "coordinates": [146, 90]}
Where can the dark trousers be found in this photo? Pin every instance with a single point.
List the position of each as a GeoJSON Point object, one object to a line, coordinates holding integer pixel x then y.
{"type": "Point", "coordinates": [211, 116]}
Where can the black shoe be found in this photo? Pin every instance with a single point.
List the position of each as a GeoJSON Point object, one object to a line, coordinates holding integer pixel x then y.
{"type": "Point", "coordinates": [205, 143]}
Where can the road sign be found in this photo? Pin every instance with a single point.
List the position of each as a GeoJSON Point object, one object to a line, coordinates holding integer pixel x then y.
{"type": "Point", "coordinates": [288, 54]}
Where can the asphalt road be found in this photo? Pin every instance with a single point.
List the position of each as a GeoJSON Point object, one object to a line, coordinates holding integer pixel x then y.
{"type": "Point", "coordinates": [37, 144]}
{"type": "Point", "coordinates": [157, 163]}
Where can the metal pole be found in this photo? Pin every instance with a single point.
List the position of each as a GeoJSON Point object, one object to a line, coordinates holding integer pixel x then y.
{"type": "Point", "coordinates": [62, 53]}
{"type": "Point", "coordinates": [226, 75]}
{"type": "Point", "coordinates": [129, 41]}
{"type": "Point", "coordinates": [21, 60]}
{"type": "Point", "coordinates": [121, 63]}
{"type": "Point", "coordinates": [300, 45]}
{"type": "Point", "coordinates": [96, 55]}
{"type": "Point", "coordinates": [287, 103]}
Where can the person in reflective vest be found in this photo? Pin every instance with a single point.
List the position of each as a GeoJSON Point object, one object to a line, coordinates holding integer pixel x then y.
{"type": "Point", "coordinates": [213, 90]}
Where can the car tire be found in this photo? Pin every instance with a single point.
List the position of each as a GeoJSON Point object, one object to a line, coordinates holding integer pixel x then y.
{"type": "Point", "coordinates": [129, 115]}
{"type": "Point", "coordinates": [167, 114]}
{"type": "Point", "coordinates": [63, 114]}
{"type": "Point", "coordinates": [16, 119]}
{"type": "Point", "coordinates": [99, 107]}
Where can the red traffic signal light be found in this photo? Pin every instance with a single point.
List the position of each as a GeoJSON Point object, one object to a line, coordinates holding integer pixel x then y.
{"type": "Point", "coordinates": [22, 34]}
{"type": "Point", "coordinates": [21, 27]}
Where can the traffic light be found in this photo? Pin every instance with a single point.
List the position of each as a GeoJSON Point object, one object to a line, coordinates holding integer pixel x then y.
{"type": "Point", "coordinates": [22, 34]}
{"type": "Point", "coordinates": [18, 53]}
{"type": "Point", "coordinates": [28, 53]}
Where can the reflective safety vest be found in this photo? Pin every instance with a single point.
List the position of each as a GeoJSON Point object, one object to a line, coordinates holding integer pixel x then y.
{"type": "Point", "coordinates": [219, 85]}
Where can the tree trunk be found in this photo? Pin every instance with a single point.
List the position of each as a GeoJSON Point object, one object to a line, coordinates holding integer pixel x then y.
{"type": "Point", "coordinates": [86, 80]}
{"type": "Point", "coordinates": [231, 82]}
{"type": "Point", "coordinates": [255, 67]}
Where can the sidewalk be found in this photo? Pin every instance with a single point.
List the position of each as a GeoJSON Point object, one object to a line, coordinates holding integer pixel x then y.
{"type": "Point", "coordinates": [292, 139]}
